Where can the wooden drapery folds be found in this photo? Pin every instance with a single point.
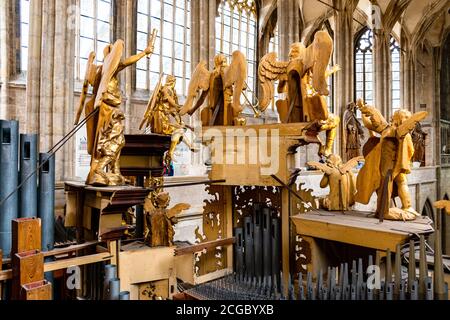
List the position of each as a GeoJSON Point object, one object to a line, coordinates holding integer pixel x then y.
{"type": "Point", "coordinates": [223, 86]}
{"type": "Point", "coordinates": [418, 137]}
{"type": "Point", "coordinates": [304, 80]}
{"type": "Point", "coordinates": [388, 161]}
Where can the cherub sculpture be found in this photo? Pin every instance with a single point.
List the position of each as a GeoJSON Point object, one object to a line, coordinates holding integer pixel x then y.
{"type": "Point", "coordinates": [105, 132]}
{"type": "Point", "coordinates": [388, 161]}
{"type": "Point", "coordinates": [223, 86]}
{"type": "Point", "coordinates": [443, 204]}
{"type": "Point", "coordinates": [341, 180]}
{"type": "Point", "coordinates": [163, 116]}
{"type": "Point", "coordinates": [304, 80]}
{"type": "Point", "coordinates": [160, 220]}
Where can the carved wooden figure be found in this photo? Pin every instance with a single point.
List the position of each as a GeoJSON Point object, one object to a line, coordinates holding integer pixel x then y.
{"type": "Point", "coordinates": [223, 86]}
{"type": "Point", "coordinates": [163, 116]}
{"type": "Point", "coordinates": [418, 138]}
{"type": "Point", "coordinates": [341, 180]}
{"type": "Point", "coordinates": [353, 132]}
{"type": "Point", "coordinates": [388, 161]}
{"type": "Point", "coordinates": [105, 131]}
{"type": "Point", "coordinates": [304, 79]}
{"type": "Point", "coordinates": [160, 219]}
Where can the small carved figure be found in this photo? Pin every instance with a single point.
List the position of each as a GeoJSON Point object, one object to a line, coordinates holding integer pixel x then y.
{"type": "Point", "coordinates": [105, 134]}
{"type": "Point", "coordinates": [304, 80]}
{"type": "Point", "coordinates": [223, 86]}
{"type": "Point", "coordinates": [162, 107]}
{"type": "Point", "coordinates": [160, 220]}
{"type": "Point", "coordinates": [341, 180]}
{"type": "Point", "coordinates": [354, 132]}
{"type": "Point", "coordinates": [419, 137]}
{"type": "Point", "coordinates": [388, 161]}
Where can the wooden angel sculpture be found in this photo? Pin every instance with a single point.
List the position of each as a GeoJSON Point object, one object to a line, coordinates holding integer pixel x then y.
{"type": "Point", "coordinates": [388, 161]}
{"type": "Point", "coordinates": [105, 131]}
{"type": "Point", "coordinates": [163, 116]}
{"type": "Point", "coordinates": [223, 86]}
{"type": "Point", "coordinates": [304, 80]}
{"type": "Point", "coordinates": [443, 204]}
{"type": "Point", "coordinates": [341, 180]}
{"type": "Point", "coordinates": [160, 220]}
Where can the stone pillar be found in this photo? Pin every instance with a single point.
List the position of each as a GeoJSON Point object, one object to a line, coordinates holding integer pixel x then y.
{"type": "Point", "coordinates": [203, 22]}
{"type": "Point", "coordinates": [6, 56]}
{"type": "Point", "coordinates": [289, 27]}
{"type": "Point", "coordinates": [382, 72]}
{"type": "Point", "coordinates": [344, 57]}
{"type": "Point", "coordinates": [50, 76]}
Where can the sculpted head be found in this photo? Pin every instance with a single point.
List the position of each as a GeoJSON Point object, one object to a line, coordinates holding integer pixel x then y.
{"type": "Point", "coordinates": [400, 116]}
{"type": "Point", "coordinates": [334, 159]}
{"type": "Point", "coordinates": [171, 81]}
{"type": "Point", "coordinates": [296, 50]}
{"type": "Point", "coordinates": [162, 200]}
{"type": "Point", "coordinates": [220, 60]}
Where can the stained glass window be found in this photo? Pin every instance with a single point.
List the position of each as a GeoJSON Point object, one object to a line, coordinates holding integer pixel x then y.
{"type": "Point", "coordinates": [395, 67]}
{"type": "Point", "coordinates": [364, 67]}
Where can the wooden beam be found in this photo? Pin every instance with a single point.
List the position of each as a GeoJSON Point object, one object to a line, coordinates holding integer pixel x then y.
{"type": "Point", "coordinates": [205, 245]}
{"type": "Point", "coordinates": [66, 263]}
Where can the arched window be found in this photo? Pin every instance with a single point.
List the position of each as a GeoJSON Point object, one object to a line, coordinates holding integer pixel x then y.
{"type": "Point", "coordinates": [395, 67]}
{"type": "Point", "coordinates": [172, 55]}
{"type": "Point", "coordinates": [93, 32]}
{"type": "Point", "coordinates": [236, 29]}
{"type": "Point", "coordinates": [24, 28]}
{"type": "Point", "coordinates": [364, 67]}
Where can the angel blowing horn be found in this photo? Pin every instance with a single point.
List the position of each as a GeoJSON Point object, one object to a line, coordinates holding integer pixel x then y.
{"type": "Point", "coordinates": [304, 79]}
{"type": "Point", "coordinates": [388, 161]}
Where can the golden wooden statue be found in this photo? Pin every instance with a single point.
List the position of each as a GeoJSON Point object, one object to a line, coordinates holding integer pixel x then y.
{"type": "Point", "coordinates": [160, 220]}
{"type": "Point", "coordinates": [443, 204]}
{"type": "Point", "coordinates": [223, 86]}
{"type": "Point", "coordinates": [304, 80]}
{"type": "Point", "coordinates": [105, 131]}
{"type": "Point", "coordinates": [341, 180]}
{"type": "Point", "coordinates": [163, 116]}
{"type": "Point", "coordinates": [388, 161]}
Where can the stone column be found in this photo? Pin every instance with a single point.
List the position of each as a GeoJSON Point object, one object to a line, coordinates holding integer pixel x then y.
{"type": "Point", "coordinates": [407, 79]}
{"type": "Point", "coordinates": [50, 76]}
{"type": "Point", "coordinates": [289, 27]}
{"type": "Point", "coordinates": [7, 59]}
{"type": "Point", "coordinates": [344, 57]}
{"type": "Point", "coordinates": [203, 18]}
{"type": "Point", "coordinates": [382, 72]}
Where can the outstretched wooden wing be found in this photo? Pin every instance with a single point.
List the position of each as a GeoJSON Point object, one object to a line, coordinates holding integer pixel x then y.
{"type": "Point", "coordinates": [148, 115]}
{"type": "Point", "coordinates": [409, 124]}
{"type": "Point", "coordinates": [372, 118]}
{"type": "Point", "coordinates": [350, 164]}
{"type": "Point", "coordinates": [236, 75]}
{"type": "Point", "coordinates": [177, 209]}
{"type": "Point", "coordinates": [443, 204]}
{"type": "Point", "coordinates": [320, 166]}
{"type": "Point", "coordinates": [269, 71]}
{"type": "Point", "coordinates": [198, 84]}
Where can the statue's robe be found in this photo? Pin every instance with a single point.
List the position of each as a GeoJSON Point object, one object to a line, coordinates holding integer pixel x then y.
{"type": "Point", "coordinates": [383, 154]}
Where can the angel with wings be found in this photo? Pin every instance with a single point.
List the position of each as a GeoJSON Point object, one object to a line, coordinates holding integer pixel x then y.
{"type": "Point", "coordinates": [304, 80]}
{"type": "Point", "coordinates": [105, 132]}
{"type": "Point", "coordinates": [387, 161]}
{"type": "Point", "coordinates": [160, 220]}
{"type": "Point", "coordinates": [223, 86]}
{"type": "Point", "coordinates": [163, 116]}
{"type": "Point", "coordinates": [341, 180]}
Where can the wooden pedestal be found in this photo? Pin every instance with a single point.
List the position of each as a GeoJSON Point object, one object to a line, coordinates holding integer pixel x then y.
{"type": "Point", "coordinates": [40, 290]}
{"type": "Point", "coordinates": [26, 235]}
{"type": "Point", "coordinates": [28, 267]}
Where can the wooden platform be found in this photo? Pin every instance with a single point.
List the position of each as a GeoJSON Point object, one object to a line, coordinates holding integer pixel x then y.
{"type": "Point", "coordinates": [358, 228]}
